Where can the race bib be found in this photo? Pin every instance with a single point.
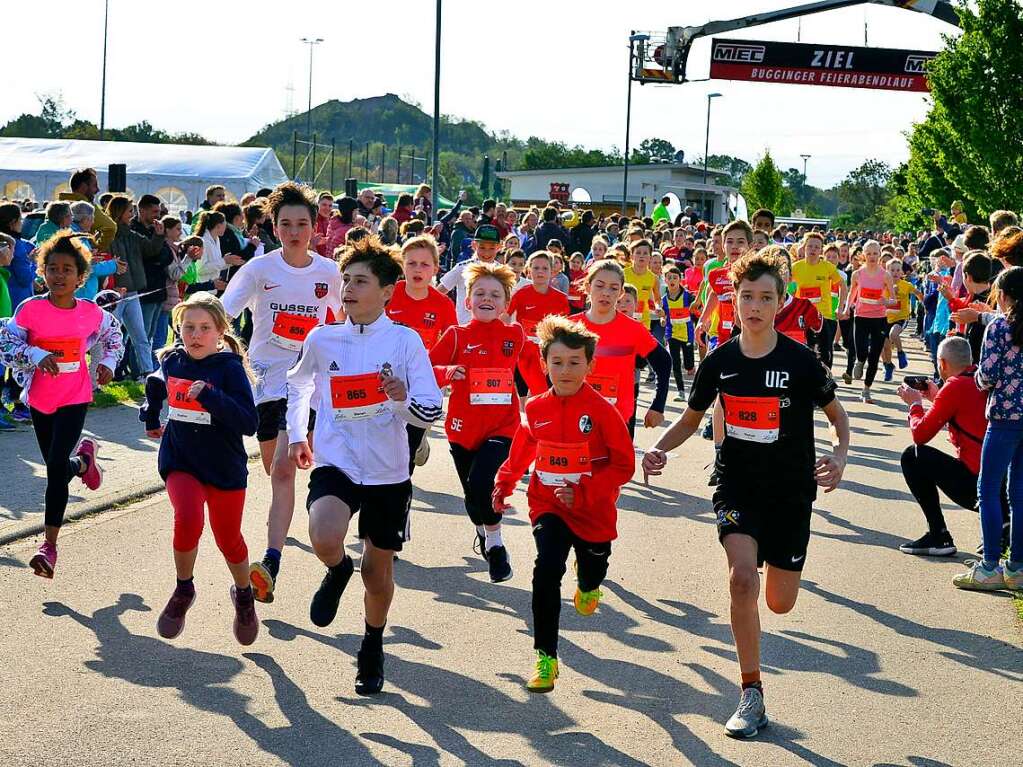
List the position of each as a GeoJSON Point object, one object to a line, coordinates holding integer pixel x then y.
{"type": "Point", "coordinates": [558, 463]}
{"type": "Point", "coordinates": [752, 419]}
{"type": "Point", "coordinates": [896, 308]}
{"type": "Point", "coordinates": [68, 352]}
{"type": "Point", "coordinates": [180, 407]}
{"type": "Point", "coordinates": [605, 386]}
{"type": "Point", "coordinates": [811, 294]}
{"type": "Point", "coordinates": [289, 330]}
{"type": "Point", "coordinates": [679, 313]}
{"type": "Point", "coordinates": [355, 397]}
{"type": "Point", "coordinates": [870, 295]}
{"type": "Point", "coordinates": [491, 386]}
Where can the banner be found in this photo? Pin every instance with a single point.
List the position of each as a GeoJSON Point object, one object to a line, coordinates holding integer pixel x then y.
{"type": "Point", "coordinates": [767, 61]}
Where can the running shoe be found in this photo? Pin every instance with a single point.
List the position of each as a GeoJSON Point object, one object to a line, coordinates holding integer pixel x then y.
{"type": "Point", "coordinates": [263, 578]}
{"type": "Point", "coordinates": [903, 361]}
{"type": "Point", "coordinates": [21, 413]}
{"type": "Point", "coordinates": [500, 566]}
{"type": "Point", "coordinates": [931, 545]}
{"type": "Point", "coordinates": [750, 717]}
{"type": "Point", "coordinates": [1013, 576]}
{"type": "Point", "coordinates": [889, 372]}
{"type": "Point", "coordinates": [172, 620]}
{"type": "Point", "coordinates": [715, 478]}
{"type": "Point", "coordinates": [246, 624]}
{"type": "Point", "coordinates": [980, 578]}
{"type": "Point", "coordinates": [847, 377]}
{"type": "Point", "coordinates": [45, 560]}
{"type": "Point", "coordinates": [323, 608]}
{"type": "Point", "coordinates": [423, 452]}
{"type": "Point", "coordinates": [88, 451]}
{"type": "Point", "coordinates": [858, 370]}
{"type": "Point", "coordinates": [369, 679]}
{"type": "Point", "coordinates": [479, 546]}
{"type": "Point", "coordinates": [6, 422]}
{"type": "Point", "coordinates": [865, 397]}
{"type": "Point", "coordinates": [586, 602]}
{"type": "Point", "coordinates": [546, 673]}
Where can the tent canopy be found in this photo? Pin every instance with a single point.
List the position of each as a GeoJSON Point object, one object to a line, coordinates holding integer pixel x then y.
{"type": "Point", "coordinates": [177, 173]}
{"type": "Point", "coordinates": [390, 193]}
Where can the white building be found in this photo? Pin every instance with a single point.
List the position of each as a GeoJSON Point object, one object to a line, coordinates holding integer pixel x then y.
{"type": "Point", "coordinates": [600, 188]}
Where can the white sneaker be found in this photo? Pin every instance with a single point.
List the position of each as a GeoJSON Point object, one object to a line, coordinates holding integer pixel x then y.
{"type": "Point", "coordinates": [423, 452]}
{"type": "Point", "coordinates": [858, 370]}
{"type": "Point", "coordinates": [750, 717]}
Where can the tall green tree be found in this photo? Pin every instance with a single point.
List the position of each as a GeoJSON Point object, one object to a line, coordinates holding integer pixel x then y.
{"type": "Point", "coordinates": [763, 187]}
{"type": "Point", "coordinates": [864, 191]}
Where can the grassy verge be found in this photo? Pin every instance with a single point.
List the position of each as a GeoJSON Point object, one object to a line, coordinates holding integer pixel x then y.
{"type": "Point", "coordinates": [1018, 601]}
{"type": "Point", "coordinates": [118, 393]}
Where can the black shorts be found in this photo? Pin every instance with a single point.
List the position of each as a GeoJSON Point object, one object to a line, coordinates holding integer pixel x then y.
{"type": "Point", "coordinates": [273, 418]}
{"type": "Point", "coordinates": [385, 508]}
{"type": "Point", "coordinates": [780, 526]}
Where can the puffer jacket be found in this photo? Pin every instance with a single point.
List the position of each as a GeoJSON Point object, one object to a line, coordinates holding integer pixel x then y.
{"type": "Point", "coordinates": [134, 249]}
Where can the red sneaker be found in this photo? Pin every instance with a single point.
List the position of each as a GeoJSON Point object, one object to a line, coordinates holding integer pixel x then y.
{"type": "Point", "coordinates": [88, 449]}
{"type": "Point", "coordinates": [246, 624]}
{"type": "Point", "coordinates": [45, 560]}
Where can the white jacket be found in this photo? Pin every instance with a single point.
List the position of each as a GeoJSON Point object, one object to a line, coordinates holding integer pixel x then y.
{"type": "Point", "coordinates": [212, 263]}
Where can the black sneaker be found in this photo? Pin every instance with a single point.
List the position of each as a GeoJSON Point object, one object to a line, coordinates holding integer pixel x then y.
{"type": "Point", "coordinates": [1005, 540]}
{"type": "Point", "coordinates": [369, 679]}
{"type": "Point", "coordinates": [931, 545]}
{"type": "Point", "coordinates": [500, 567]}
{"type": "Point", "coordinates": [325, 601]}
{"type": "Point", "coordinates": [479, 546]}
{"type": "Point", "coordinates": [715, 478]}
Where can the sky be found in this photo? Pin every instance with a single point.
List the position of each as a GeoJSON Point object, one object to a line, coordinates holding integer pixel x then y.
{"type": "Point", "coordinates": [556, 70]}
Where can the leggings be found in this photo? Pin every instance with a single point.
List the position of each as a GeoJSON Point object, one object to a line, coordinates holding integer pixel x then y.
{"type": "Point", "coordinates": [476, 471]}
{"type": "Point", "coordinates": [187, 496]}
{"type": "Point", "coordinates": [680, 350]}
{"type": "Point", "coordinates": [849, 342]}
{"type": "Point", "coordinates": [57, 434]}
{"type": "Point", "coordinates": [554, 540]}
{"type": "Point", "coordinates": [870, 336]}
{"type": "Point", "coordinates": [824, 342]}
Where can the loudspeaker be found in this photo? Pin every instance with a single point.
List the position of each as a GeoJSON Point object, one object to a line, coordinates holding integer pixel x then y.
{"type": "Point", "coordinates": [351, 187]}
{"type": "Point", "coordinates": [117, 177]}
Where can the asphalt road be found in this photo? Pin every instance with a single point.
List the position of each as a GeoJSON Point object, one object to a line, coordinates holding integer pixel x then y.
{"type": "Point", "coordinates": [882, 662]}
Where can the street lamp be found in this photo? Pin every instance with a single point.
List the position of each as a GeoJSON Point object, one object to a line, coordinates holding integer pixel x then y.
{"type": "Point", "coordinates": [805, 158]}
{"type": "Point", "coordinates": [103, 87]}
{"type": "Point", "coordinates": [435, 181]}
{"type": "Point", "coordinates": [633, 39]}
{"type": "Point", "coordinates": [706, 149]}
{"type": "Point", "coordinates": [311, 42]}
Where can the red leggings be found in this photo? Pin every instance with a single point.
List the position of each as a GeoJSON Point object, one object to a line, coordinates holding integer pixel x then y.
{"type": "Point", "coordinates": [187, 496]}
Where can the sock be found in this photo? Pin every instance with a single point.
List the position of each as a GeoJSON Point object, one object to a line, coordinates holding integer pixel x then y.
{"type": "Point", "coordinates": [752, 679]}
{"type": "Point", "coordinates": [186, 587]}
{"type": "Point", "coordinates": [481, 530]}
{"type": "Point", "coordinates": [274, 555]}
{"type": "Point", "coordinates": [373, 639]}
{"type": "Point", "coordinates": [494, 538]}
{"type": "Point", "coordinates": [79, 464]}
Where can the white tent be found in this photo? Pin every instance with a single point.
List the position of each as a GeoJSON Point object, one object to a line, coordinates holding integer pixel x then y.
{"type": "Point", "coordinates": [176, 173]}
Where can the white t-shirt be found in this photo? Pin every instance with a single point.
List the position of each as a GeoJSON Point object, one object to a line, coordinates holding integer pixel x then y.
{"type": "Point", "coordinates": [286, 303]}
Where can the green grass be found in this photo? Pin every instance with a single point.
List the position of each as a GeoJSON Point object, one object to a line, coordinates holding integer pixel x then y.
{"type": "Point", "coordinates": [118, 393]}
{"type": "Point", "coordinates": [1018, 601]}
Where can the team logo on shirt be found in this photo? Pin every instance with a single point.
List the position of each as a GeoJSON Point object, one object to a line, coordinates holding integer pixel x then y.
{"type": "Point", "coordinates": [508, 348]}
{"type": "Point", "coordinates": [585, 424]}
{"type": "Point", "coordinates": [429, 319]}
{"type": "Point", "coordinates": [320, 289]}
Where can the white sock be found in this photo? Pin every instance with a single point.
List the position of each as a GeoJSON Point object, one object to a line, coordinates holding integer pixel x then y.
{"type": "Point", "coordinates": [481, 530]}
{"type": "Point", "coordinates": [494, 538]}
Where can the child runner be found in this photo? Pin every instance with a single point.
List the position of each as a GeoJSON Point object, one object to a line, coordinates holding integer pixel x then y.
{"type": "Point", "coordinates": [679, 327]}
{"type": "Point", "coordinates": [576, 278]}
{"type": "Point", "coordinates": [583, 455]}
{"type": "Point", "coordinates": [202, 458]}
{"type": "Point", "coordinates": [868, 289]}
{"type": "Point", "coordinates": [417, 304]}
{"type": "Point", "coordinates": [478, 361]}
{"type": "Point", "coordinates": [897, 315]}
{"type": "Point", "coordinates": [527, 307]}
{"type": "Point", "coordinates": [44, 344]}
{"type": "Point", "coordinates": [370, 377]}
{"type": "Point", "coordinates": [485, 244]}
{"type": "Point", "coordinates": [798, 317]}
{"type": "Point", "coordinates": [642, 277]}
{"type": "Point", "coordinates": [815, 277]}
{"type": "Point", "coordinates": [516, 261]}
{"type": "Point", "coordinates": [769, 472]}
{"type": "Point", "coordinates": [289, 292]}
{"type": "Point", "coordinates": [622, 339]}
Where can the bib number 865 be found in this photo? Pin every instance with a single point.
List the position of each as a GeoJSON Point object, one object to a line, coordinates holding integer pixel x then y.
{"type": "Point", "coordinates": [354, 394]}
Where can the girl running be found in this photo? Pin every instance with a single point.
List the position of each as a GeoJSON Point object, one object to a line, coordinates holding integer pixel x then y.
{"type": "Point", "coordinates": [202, 459]}
{"type": "Point", "coordinates": [897, 316]}
{"type": "Point", "coordinates": [44, 344]}
{"type": "Point", "coordinates": [867, 290]}
{"type": "Point", "coordinates": [477, 360]}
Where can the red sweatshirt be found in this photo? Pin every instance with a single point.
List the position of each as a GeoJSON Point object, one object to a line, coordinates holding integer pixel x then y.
{"type": "Point", "coordinates": [429, 316]}
{"type": "Point", "coordinates": [720, 281]}
{"type": "Point", "coordinates": [960, 405]}
{"type": "Point", "coordinates": [581, 440]}
{"type": "Point", "coordinates": [529, 307]}
{"type": "Point", "coordinates": [485, 403]}
{"type": "Point", "coordinates": [796, 316]}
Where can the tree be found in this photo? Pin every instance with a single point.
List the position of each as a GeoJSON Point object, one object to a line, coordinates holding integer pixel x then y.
{"type": "Point", "coordinates": [654, 147]}
{"type": "Point", "coordinates": [737, 168]}
{"type": "Point", "coordinates": [762, 187]}
{"type": "Point", "coordinates": [864, 191]}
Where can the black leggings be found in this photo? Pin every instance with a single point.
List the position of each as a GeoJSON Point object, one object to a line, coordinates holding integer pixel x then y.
{"type": "Point", "coordinates": [476, 471]}
{"type": "Point", "coordinates": [57, 434]}
{"type": "Point", "coordinates": [680, 350]}
{"type": "Point", "coordinates": [824, 342]}
{"type": "Point", "coordinates": [871, 333]}
{"type": "Point", "coordinates": [554, 540]}
{"type": "Point", "coordinates": [849, 342]}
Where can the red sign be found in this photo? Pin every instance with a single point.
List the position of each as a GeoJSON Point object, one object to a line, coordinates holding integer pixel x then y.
{"type": "Point", "coordinates": [767, 61]}
{"type": "Point", "coordinates": [559, 192]}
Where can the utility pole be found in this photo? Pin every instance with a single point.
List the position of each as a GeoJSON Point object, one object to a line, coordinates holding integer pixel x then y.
{"type": "Point", "coordinates": [311, 42]}
{"type": "Point", "coordinates": [103, 86]}
{"type": "Point", "coordinates": [805, 158]}
{"type": "Point", "coordinates": [435, 180]}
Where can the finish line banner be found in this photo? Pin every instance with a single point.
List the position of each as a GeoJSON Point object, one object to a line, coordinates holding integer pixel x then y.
{"type": "Point", "coordinates": [767, 61]}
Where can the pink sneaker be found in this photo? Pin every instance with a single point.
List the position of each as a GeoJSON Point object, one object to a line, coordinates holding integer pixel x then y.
{"type": "Point", "coordinates": [88, 449]}
{"type": "Point", "coordinates": [45, 560]}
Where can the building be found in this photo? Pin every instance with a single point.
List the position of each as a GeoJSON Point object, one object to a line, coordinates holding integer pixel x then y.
{"type": "Point", "coordinates": [600, 188]}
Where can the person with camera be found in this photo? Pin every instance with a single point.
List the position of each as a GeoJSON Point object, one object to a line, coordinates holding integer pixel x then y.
{"type": "Point", "coordinates": [958, 404]}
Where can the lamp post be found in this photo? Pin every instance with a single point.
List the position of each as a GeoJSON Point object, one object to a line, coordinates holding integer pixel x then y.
{"type": "Point", "coordinates": [706, 149]}
{"type": "Point", "coordinates": [805, 158]}
{"type": "Point", "coordinates": [103, 86]}
{"type": "Point", "coordinates": [633, 39]}
{"type": "Point", "coordinates": [312, 42]}
{"type": "Point", "coordinates": [435, 180]}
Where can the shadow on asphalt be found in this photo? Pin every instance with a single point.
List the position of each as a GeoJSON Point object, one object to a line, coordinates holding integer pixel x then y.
{"type": "Point", "coordinates": [6, 561]}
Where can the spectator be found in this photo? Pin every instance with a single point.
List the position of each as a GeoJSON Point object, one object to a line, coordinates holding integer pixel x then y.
{"type": "Point", "coordinates": [403, 209]}
{"type": "Point", "coordinates": [661, 211]}
{"type": "Point", "coordinates": [461, 232]}
{"type": "Point", "coordinates": [324, 210]}
{"type": "Point", "coordinates": [549, 229]}
{"type": "Point", "coordinates": [423, 202]}
{"type": "Point", "coordinates": [214, 193]}
{"type": "Point", "coordinates": [255, 221]}
{"type": "Point", "coordinates": [58, 216]}
{"type": "Point", "coordinates": [366, 202]}
{"type": "Point", "coordinates": [7, 244]}
{"type": "Point", "coordinates": [82, 214]}
{"type": "Point", "coordinates": [487, 211]}
{"type": "Point", "coordinates": [583, 233]}
{"type": "Point", "coordinates": [154, 293]}
{"type": "Point", "coordinates": [959, 405]}
{"type": "Point", "coordinates": [84, 186]}
{"type": "Point", "coordinates": [342, 221]}
{"type": "Point", "coordinates": [210, 226]}
{"type": "Point", "coordinates": [1000, 219]}
{"type": "Point", "coordinates": [389, 230]}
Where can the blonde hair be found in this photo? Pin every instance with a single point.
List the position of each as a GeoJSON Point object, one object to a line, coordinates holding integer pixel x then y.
{"type": "Point", "coordinates": [503, 274]}
{"type": "Point", "coordinates": [423, 241]}
{"type": "Point", "coordinates": [210, 304]}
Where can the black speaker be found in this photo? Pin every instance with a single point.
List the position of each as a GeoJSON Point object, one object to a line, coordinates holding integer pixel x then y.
{"type": "Point", "coordinates": [117, 177]}
{"type": "Point", "coordinates": [351, 187]}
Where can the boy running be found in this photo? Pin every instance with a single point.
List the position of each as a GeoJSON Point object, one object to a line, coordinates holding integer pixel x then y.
{"type": "Point", "coordinates": [769, 386]}
{"type": "Point", "coordinates": [486, 243]}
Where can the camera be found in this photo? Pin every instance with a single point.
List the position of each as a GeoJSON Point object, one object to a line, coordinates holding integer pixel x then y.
{"type": "Point", "coordinates": [920, 383]}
